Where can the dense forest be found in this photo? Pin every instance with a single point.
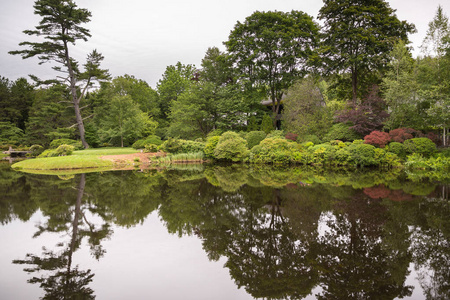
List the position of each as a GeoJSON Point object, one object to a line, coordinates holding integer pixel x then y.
{"type": "Point", "coordinates": [352, 78]}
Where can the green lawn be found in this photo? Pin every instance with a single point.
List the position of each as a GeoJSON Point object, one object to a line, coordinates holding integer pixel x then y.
{"type": "Point", "coordinates": [82, 159]}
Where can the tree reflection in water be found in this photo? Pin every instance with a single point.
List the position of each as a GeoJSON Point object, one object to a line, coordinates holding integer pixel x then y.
{"type": "Point", "coordinates": [284, 232]}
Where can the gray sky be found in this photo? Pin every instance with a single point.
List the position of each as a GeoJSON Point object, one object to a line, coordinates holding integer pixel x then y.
{"type": "Point", "coordinates": [143, 37]}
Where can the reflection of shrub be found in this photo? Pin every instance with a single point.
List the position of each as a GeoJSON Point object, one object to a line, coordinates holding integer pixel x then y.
{"type": "Point", "coordinates": [377, 138]}
{"type": "Point", "coordinates": [210, 145]}
{"type": "Point", "coordinates": [254, 138]}
{"type": "Point", "coordinates": [277, 151]}
{"type": "Point", "coordinates": [342, 132]}
{"type": "Point", "coordinates": [423, 146]}
{"type": "Point", "coordinates": [231, 147]}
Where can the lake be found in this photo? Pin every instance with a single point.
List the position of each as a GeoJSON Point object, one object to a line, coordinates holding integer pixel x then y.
{"type": "Point", "coordinates": [224, 232]}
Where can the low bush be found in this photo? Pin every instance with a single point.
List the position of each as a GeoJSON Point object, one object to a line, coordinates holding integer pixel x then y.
{"type": "Point", "coordinates": [362, 155]}
{"type": "Point", "coordinates": [36, 150]}
{"type": "Point", "coordinates": [231, 147]}
{"type": "Point", "coordinates": [291, 136]}
{"type": "Point", "coordinates": [150, 140]}
{"type": "Point", "coordinates": [397, 148]}
{"type": "Point", "coordinates": [62, 150]}
{"type": "Point", "coordinates": [377, 138]}
{"type": "Point", "coordinates": [342, 132]}
{"type": "Point", "coordinates": [309, 138]}
{"type": "Point", "coordinates": [423, 146]}
{"type": "Point", "coordinates": [151, 148]}
{"type": "Point", "coordinates": [276, 151]}
{"type": "Point", "coordinates": [175, 146]}
{"type": "Point", "coordinates": [254, 138]}
{"type": "Point", "coordinates": [210, 146]}
{"type": "Point", "coordinates": [58, 142]}
{"type": "Point", "coordinates": [279, 134]}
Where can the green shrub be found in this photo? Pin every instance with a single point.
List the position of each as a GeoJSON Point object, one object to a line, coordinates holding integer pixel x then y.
{"type": "Point", "coordinates": [36, 150]}
{"type": "Point", "coordinates": [362, 155]}
{"type": "Point", "coordinates": [150, 140]}
{"type": "Point", "coordinates": [151, 148]}
{"type": "Point", "coordinates": [181, 146]}
{"type": "Point", "coordinates": [321, 154]}
{"type": "Point", "coordinates": [422, 145]}
{"type": "Point", "coordinates": [215, 132]}
{"type": "Point", "coordinates": [171, 145]}
{"type": "Point", "coordinates": [397, 148]}
{"type": "Point", "coordinates": [341, 131]}
{"type": "Point", "coordinates": [267, 124]}
{"type": "Point", "coordinates": [62, 150]}
{"type": "Point", "coordinates": [210, 145]}
{"type": "Point", "coordinates": [310, 138]}
{"type": "Point", "coordinates": [58, 142]}
{"type": "Point", "coordinates": [254, 138]}
{"type": "Point", "coordinates": [276, 151]}
{"type": "Point", "coordinates": [231, 147]}
{"type": "Point", "coordinates": [278, 134]}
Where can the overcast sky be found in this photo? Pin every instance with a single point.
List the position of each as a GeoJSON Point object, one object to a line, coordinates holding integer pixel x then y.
{"type": "Point", "coordinates": [143, 37]}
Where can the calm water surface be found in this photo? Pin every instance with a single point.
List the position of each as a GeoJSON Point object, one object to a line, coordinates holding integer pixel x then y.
{"type": "Point", "coordinates": [223, 232]}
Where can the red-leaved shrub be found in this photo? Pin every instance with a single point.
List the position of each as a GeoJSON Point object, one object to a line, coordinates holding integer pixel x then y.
{"type": "Point", "coordinates": [291, 136]}
{"type": "Point", "coordinates": [377, 138]}
{"type": "Point", "coordinates": [400, 135]}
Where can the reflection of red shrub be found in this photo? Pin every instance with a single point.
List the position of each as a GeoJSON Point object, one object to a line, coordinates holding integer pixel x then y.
{"type": "Point", "coordinates": [291, 136]}
{"type": "Point", "coordinates": [399, 195]}
{"type": "Point", "coordinates": [382, 192]}
{"type": "Point", "coordinates": [377, 138]}
{"type": "Point", "coordinates": [377, 192]}
{"type": "Point", "coordinates": [400, 135]}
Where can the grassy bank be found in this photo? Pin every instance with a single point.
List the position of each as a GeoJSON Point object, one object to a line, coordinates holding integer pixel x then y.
{"type": "Point", "coordinates": [82, 159]}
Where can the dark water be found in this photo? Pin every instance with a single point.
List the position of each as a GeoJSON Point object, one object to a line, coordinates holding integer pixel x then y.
{"type": "Point", "coordinates": [220, 232]}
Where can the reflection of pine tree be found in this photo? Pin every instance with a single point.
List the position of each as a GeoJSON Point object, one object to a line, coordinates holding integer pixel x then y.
{"type": "Point", "coordinates": [59, 278]}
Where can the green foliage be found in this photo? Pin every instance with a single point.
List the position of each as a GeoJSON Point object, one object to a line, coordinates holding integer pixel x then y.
{"type": "Point", "coordinates": [56, 143]}
{"type": "Point", "coordinates": [150, 148]}
{"type": "Point", "coordinates": [267, 124]}
{"type": "Point", "coordinates": [125, 121]}
{"type": "Point", "coordinates": [371, 27]}
{"type": "Point", "coordinates": [423, 146]}
{"type": "Point", "coordinates": [150, 140]}
{"type": "Point", "coordinates": [279, 134]}
{"type": "Point", "coordinates": [36, 150]}
{"type": "Point", "coordinates": [175, 146]}
{"type": "Point", "coordinates": [210, 146]}
{"type": "Point", "coordinates": [309, 138]}
{"type": "Point", "coordinates": [231, 147]}
{"type": "Point", "coordinates": [276, 151]}
{"type": "Point", "coordinates": [305, 110]}
{"type": "Point", "coordinates": [61, 150]}
{"type": "Point", "coordinates": [398, 149]}
{"type": "Point", "coordinates": [10, 134]}
{"type": "Point", "coordinates": [254, 138]}
{"type": "Point", "coordinates": [252, 124]}
{"type": "Point", "coordinates": [342, 132]}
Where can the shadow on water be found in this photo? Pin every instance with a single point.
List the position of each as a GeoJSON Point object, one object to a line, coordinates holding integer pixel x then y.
{"type": "Point", "coordinates": [285, 232]}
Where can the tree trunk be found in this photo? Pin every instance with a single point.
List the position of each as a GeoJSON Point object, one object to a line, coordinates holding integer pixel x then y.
{"type": "Point", "coordinates": [354, 84]}
{"type": "Point", "coordinates": [75, 100]}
